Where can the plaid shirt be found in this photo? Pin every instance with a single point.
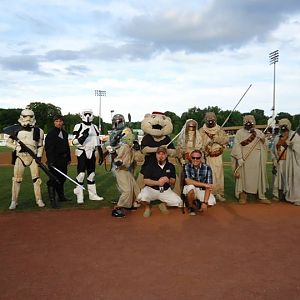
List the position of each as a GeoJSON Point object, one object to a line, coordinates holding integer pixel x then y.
{"type": "Point", "coordinates": [201, 174]}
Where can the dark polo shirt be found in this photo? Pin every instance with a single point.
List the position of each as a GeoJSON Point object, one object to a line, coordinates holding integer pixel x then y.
{"type": "Point", "coordinates": [154, 172]}
{"type": "Point", "coordinates": [148, 141]}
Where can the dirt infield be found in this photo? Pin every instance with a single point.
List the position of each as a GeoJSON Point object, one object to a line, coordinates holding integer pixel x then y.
{"type": "Point", "coordinates": [230, 252]}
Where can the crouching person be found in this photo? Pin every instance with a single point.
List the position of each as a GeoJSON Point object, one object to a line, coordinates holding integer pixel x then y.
{"type": "Point", "coordinates": [198, 184]}
{"type": "Point", "coordinates": [158, 178]}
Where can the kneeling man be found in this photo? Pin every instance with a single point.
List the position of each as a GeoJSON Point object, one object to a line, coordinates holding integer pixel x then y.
{"type": "Point", "coordinates": [198, 183]}
{"type": "Point", "coordinates": [158, 178]}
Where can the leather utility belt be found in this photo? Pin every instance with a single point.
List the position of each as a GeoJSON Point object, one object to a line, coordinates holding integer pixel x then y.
{"type": "Point", "coordinates": [249, 140]}
{"type": "Point", "coordinates": [215, 153]}
{"type": "Point", "coordinates": [123, 168]}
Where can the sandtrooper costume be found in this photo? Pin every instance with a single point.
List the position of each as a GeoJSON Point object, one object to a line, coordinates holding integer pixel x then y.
{"type": "Point", "coordinates": [86, 140]}
{"type": "Point", "coordinates": [214, 141]}
{"type": "Point", "coordinates": [33, 138]}
{"type": "Point", "coordinates": [188, 140]}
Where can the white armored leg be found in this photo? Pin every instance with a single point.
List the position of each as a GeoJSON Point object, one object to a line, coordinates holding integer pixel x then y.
{"type": "Point", "coordinates": [92, 188]}
{"type": "Point", "coordinates": [16, 185]}
{"type": "Point", "coordinates": [37, 192]}
{"type": "Point", "coordinates": [79, 191]}
{"type": "Point", "coordinates": [93, 193]}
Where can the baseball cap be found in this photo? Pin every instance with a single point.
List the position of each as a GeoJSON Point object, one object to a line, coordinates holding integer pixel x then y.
{"type": "Point", "coordinates": [161, 149]}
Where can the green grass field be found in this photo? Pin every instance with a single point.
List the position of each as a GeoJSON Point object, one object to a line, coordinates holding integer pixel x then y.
{"type": "Point", "coordinates": [106, 187]}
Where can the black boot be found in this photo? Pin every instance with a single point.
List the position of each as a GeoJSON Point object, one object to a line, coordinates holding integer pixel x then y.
{"type": "Point", "coordinates": [61, 194]}
{"type": "Point", "coordinates": [52, 196]}
{"type": "Point", "coordinates": [281, 195]}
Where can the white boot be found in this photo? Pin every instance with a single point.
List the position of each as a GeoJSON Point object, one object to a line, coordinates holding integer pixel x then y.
{"type": "Point", "coordinates": [93, 193]}
{"type": "Point", "coordinates": [13, 205]}
{"type": "Point", "coordinates": [16, 184]}
{"type": "Point", "coordinates": [79, 194]}
{"type": "Point", "coordinates": [40, 203]}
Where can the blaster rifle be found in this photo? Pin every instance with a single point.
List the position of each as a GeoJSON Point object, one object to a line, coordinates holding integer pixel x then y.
{"type": "Point", "coordinates": [36, 158]}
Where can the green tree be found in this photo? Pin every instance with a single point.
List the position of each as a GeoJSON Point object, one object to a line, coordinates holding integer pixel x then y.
{"type": "Point", "coordinates": [70, 121]}
{"type": "Point", "coordinates": [44, 113]}
{"type": "Point", "coordinates": [176, 121]}
{"type": "Point", "coordinates": [9, 117]}
{"type": "Point", "coordinates": [296, 121]}
{"type": "Point", "coordinates": [259, 116]}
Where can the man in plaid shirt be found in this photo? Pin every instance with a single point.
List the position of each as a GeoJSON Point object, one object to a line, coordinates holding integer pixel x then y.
{"type": "Point", "coordinates": [198, 183]}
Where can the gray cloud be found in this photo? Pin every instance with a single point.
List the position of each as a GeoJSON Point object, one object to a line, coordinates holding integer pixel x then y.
{"type": "Point", "coordinates": [62, 55]}
{"type": "Point", "coordinates": [77, 69]}
{"type": "Point", "coordinates": [20, 62]}
{"type": "Point", "coordinates": [36, 24]}
{"type": "Point", "coordinates": [223, 24]}
{"type": "Point", "coordinates": [130, 50]}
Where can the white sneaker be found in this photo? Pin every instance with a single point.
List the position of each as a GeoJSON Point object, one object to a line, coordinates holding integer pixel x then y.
{"type": "Point", "coordinates": [136, 204]}
{"type": "Point", "coordinates": [40, 203]}
{"type": "Point", "coordinates": [220, 198]}
{"type": "Point", "coordinates": [13, 205]}
{"type": "Point", "coordinates": [297, 203]}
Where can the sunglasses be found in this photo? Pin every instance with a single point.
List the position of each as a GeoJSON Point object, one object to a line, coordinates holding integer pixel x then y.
{"type": "Point", "coordinates": [196, 157]}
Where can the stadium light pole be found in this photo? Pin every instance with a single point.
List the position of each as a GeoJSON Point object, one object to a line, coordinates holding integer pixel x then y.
{"type": "Point", "coordinates": [111, 113]}
{"type": "Point", "coordinates": [100, 93]}
{"type": "Point", "coordinates": [273, 56]}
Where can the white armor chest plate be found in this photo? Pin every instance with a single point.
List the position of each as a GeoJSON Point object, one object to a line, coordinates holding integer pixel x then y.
{"type": "Point", "coordinates": [27, 138]}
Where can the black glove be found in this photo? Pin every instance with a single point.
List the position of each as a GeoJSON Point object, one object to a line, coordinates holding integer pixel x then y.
{"type": "Point", "coordinates": [118, 163]}
{"type": "Point", "coordinates": [136, 146]}
{"type": "Point", "coordinates": [84, 135]}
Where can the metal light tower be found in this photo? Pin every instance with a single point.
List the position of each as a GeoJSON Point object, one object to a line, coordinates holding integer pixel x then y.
{"type": "Point", "coordinates": [111, 113]}
{"type": "Point", "coordinates": [100, 93]}
{"type": "Point", "coordinates": [273, 56]}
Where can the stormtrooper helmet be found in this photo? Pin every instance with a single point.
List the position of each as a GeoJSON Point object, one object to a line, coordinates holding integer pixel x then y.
{"type": "Point", "coordinates": [27, 118]}
{"type": "Point", "coordinates": [87, 116]}
{"type": "Point", "coordinates": [118, 122]}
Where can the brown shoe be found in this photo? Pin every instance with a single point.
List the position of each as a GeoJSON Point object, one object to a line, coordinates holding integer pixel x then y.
{"type": "Point", "coordinates": [243, 198]}
{"type": "Point", "coordinates": [147, 212]}
{"type": "Point", "coordinates": [163, 209]}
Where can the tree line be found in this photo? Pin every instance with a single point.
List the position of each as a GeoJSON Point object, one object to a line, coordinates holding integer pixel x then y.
{"type": "Point", "coordinates": [44, 113]}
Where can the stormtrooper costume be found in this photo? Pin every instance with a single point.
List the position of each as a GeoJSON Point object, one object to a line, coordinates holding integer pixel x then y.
{"type": "Point", "coordinates": [86, 140]}
{"type": "Point", "coordinates": [33, 138]}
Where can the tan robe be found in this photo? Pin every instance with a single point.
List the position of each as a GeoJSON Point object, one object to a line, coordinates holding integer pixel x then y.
{"type": "Point", "coordinates": [214, 141]}
{"type": "Point", "coordinates": [280, 176]}
{"type": "Point", "coordinates": [126, 183]}
{"type": "Point", "coordinates": [253, 174]}
{"type": "Point", "coordinates": [292, 171]}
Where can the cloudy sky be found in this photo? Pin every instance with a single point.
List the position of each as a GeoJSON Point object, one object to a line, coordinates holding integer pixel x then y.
{"type": "Point", "coordinates": [149, 55]}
